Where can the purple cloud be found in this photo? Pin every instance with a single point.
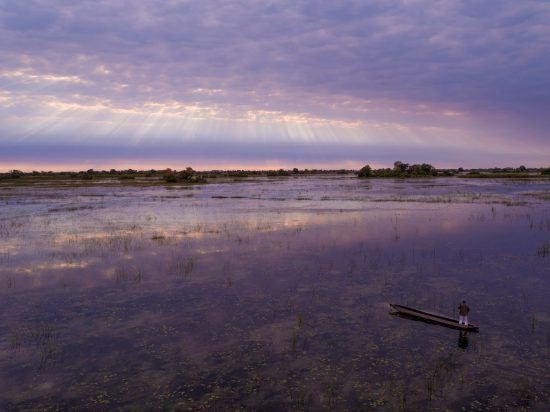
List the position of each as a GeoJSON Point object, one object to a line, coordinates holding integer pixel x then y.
{"type": "Point", "coordinates": [457, 76]}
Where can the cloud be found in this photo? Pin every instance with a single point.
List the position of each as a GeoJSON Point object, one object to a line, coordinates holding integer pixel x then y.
{"type": "Point", "coordinates": [377, 72]}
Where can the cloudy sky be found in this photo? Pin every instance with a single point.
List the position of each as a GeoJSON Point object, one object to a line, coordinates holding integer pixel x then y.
{"type": "Point", "coordinates": [259, 83]}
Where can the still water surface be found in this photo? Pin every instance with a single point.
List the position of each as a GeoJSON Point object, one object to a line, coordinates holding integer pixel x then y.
{"type": "Point", "coordinates": [273, 294]}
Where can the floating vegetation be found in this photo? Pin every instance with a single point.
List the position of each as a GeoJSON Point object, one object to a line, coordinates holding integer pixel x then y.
{"type": "Point", "coordinates": [70, 208]}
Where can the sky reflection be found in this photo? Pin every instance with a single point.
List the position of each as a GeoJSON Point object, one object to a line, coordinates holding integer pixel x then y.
{"type": "Point", "coordinates": [149, 299]}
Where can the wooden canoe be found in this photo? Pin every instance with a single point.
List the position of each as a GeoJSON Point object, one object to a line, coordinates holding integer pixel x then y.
{"type": "Point", "coordinates": [429, 317]}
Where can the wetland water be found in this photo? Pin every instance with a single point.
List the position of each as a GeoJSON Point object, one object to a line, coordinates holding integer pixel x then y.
{"type": "Point", "coordinates": [273, 294]}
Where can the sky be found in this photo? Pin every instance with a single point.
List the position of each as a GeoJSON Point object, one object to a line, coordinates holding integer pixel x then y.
{"type": "Point", "coordinates": [256, 84]}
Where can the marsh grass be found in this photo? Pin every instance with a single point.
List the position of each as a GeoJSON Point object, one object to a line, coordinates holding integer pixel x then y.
{"type": "Point", "coordinates": [544, 250]}
{"type": "Point", "coordinates": [101, 245]}
{"type": "Point", "coordinates": [182, 267]}
{"type": "Point", "coordinates": [10, 227]}
{"type": "Point", "coordinates": [43, 337]}
{"type": "Point", "coordinates": [125, 273]}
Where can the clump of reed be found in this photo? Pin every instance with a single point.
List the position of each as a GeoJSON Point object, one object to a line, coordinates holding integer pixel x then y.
{"type": "Point", "coordinates": [544, 250]}
{"type": "Point", "coordinates": [183, 267]}
{"type": "Point", "coordinates": [42, 336]}
{"type": "Point", "coordinates": [127, 274]}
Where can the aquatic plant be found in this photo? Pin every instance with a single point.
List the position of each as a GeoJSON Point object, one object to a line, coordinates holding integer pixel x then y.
{"type": "Point", "coordinates": [184, 266]}
{"type": "Point", "coordinates": [544, 250]}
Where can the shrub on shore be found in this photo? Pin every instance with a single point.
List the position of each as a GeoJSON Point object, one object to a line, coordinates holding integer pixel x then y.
{"type": "Point", "coordinates": [365, 171]}
{"type": "Point", "coordinates": [401, 169]}
{"type": "Point", "coordinates": [280, 172]}
{"type": "Point", "coordinates": [188, 175]}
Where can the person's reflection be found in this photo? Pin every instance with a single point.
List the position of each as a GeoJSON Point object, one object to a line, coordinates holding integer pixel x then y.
{"type": "Point", "coordinates": [463, 339]}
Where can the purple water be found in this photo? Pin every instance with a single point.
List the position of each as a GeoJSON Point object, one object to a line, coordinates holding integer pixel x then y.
{"type": "Point", "coordinates": [273, 294]}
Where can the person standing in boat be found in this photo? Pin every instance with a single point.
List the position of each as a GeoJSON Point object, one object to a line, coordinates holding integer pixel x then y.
{"type": "Point", "coordinates": [463, 311]}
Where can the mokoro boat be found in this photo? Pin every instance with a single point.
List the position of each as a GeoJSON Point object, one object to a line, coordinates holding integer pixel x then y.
{"type": "Point", "coordinates": [429, 317]}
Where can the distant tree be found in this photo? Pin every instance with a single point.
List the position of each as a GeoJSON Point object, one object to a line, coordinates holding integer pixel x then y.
{"type": "Point", "coordinates": [415, 170]}
{"type": "Point", "coordinates": [428, 168]}
{"type": "Point", "coordinates": [188, 175]}
{"type": "Point", "coordinates": [169, 176]}
{"type": "Point", "coordinates": [295, 171]}
{"type": "Point", "coordinates": [185, 174]}
{"type": "Point", "coordinates": [280, 172]}
{"type": "Point", "coordinates": [400, 167]}
{"type": "Point", "coordinates": [522, 168]}
{"type": "Point", "coordinates": [365, 171]}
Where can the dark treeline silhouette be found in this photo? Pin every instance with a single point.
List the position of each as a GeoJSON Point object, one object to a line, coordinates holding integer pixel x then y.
{"type": "Point", "coordinates": [187, 175]}
{"type": "Point", "coordinates": [401, 169]}
{"type": "Point", "coordinates": [404, 170]}
{"type": "Point", "coordinates": [190, 176]}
